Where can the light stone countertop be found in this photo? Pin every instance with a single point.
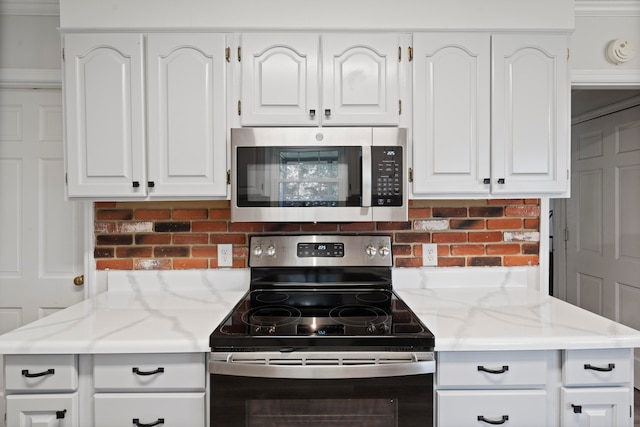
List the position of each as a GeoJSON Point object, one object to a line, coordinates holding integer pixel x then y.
{"type": "Point", "coordinates": [146, 313]}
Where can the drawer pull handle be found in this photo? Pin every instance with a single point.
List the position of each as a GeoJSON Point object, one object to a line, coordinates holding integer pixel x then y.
{"type": "Point", "coordinates": [137, 423]}
{"type": "Point", "coordinates": [577, 409]}
{"type": "Point", "coordinates": [60, 414]}
{"type": "Point", "coordinates": [502, 420]}
{"type": "Point", "coordinates": [609, 368]}
{"type": "Point", "coordinates": [137, 371]}
{"type": "Point", "coordinates": [25, 373]}
{"type": "Point", "coordinates": [493, 371]}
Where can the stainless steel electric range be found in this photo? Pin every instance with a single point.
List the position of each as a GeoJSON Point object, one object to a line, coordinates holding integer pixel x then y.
{"type": "Point", "coordinates": [321, 339]}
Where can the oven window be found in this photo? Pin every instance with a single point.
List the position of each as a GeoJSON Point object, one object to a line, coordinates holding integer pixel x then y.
{"type": "Point", "coordinates": [322, 413]}
{"type": "Point", "coordinates": [299, 176]}
{"type": "Point", "coordinates": [405, 401]}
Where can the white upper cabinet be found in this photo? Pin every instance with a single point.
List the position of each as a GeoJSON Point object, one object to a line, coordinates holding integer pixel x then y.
{"type": "Point", "coordinates": [104, 114]}
{"type": "Point", "coordinates": [310, 79]}
{"type": "Point", "coordinates": [451, 149]}
{"type": "Point", "coordinates": [186, 115]}
{"type": "Point", "coordinates": [360, 79]}
{"type": "Point", "coordinates": [530, 114]}
{"type": "Point", "coordinates": [491, 115]}
{"type": "Point", "coordinates": [280, 79]}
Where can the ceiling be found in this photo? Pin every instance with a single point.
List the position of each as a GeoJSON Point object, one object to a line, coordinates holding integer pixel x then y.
{"type": "Point", "coordinates": [584, 100]}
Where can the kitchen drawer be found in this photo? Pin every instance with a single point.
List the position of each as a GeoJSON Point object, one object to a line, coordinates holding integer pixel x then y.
{"type": "Point", "coordinates": [491, 368]}
{"type": "Point", "coordinates": [41, 372]}
{"type": "Point", "coordinates": [597, 367]}
{"type": "Point", "coordinates": [166, 409]}
{"type": "Point", "coordinates": [50, 410]}
{"type": "Point", "coordinates": [149, 372]}
{"type": "Point", "coordinates": [461, 408]}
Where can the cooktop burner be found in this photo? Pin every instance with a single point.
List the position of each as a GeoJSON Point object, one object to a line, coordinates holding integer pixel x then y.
{"type": "Point", "coordinates": [321, 307]}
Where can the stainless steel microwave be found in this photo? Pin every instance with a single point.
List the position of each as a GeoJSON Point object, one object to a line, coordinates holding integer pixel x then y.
{"type": "Point", "coordinates": [318, 174]}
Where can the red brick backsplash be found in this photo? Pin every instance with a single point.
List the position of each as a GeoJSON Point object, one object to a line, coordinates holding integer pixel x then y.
{"type": "Point", "coordinates": [185, 235]}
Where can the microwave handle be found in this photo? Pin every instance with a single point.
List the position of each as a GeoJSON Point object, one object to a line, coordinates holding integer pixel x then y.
{"type": "Point", "coordinates": [366, 176]}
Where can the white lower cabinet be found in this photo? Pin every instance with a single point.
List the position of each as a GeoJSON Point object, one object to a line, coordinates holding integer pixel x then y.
{"type": "Point", "coordinates": [145, 390]}
{"type": "Point", "coordinates": [602, 407]}
{"type": "Point", "coordinates": [461, 408]}
{"type": "Point", "coordinates": [597, 388]}
{"type": "Point", "coordinates": [150, 409]}
{"type": "Point", "coordinates": [42, 410]}
{"type": "Point", "coordinates": [566, 388]}
{"type": "Point", "coordinates": [485, 388]}
{"type": "Point", "coordinates": [41, 390]}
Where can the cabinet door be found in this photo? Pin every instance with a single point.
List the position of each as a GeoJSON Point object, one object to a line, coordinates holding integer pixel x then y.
{"type": "Point", "coordinates": [598, 406]}
{"type": "Point", "coordinates": [451, 114]}
{"type": "Point", "coordinates": [360, 79]}
{"type": "Point", "coordinates": [187, 135]}
{"type": "Point", "coordinates": [103, 87]}
{"type": "Point", "coordinates": [42, 410]}
{"type": "Point", "coordinates": [280, 83]}
{"type": "Point", "coordinates": [530, 114]}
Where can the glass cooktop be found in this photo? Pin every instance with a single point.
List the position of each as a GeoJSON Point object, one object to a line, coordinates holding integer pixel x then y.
{"type": "Point", "coordinates": [321, 319]}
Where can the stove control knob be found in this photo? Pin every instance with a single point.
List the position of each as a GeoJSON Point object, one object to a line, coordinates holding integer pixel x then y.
{"type": "Point", "coordinates": [371, 250]}
{"type": "Point", "coordinates": [257, 251]}
{"type": "Point", "coordinates": [371, 329]}
{"type": "Point", "coordinates": [271, 250]}
{"type": "Point", "coordinates": [383, 251]}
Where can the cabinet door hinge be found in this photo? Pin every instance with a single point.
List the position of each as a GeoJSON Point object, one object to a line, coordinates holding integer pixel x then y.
{"type": "Point", "coordinates": [410, 174]}
{"type": "Point", "coordinates": [400, 107]}
{"type": "Point", "coordinates": [228, 176]}
{"type": "Point", "coordinates": [410, 49]}
{"type": "Point", "coordinates": [66, 179]}
{"type": "Point", "coordinates": [239, 54]}
{"type": "Point", "coordinates": [239, 107]}
{"type": "Point", "coordinates": [566, 234]}
{"type": "Point", "coordinates": [399, 53]}
{"type": "Point", "coordinates": [227, 54]}
{"type": "Point", "coordinates": [568, 53]}
{"type": "Point", "coordinates": [63, 54]}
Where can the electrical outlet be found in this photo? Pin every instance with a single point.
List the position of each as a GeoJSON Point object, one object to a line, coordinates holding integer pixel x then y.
{"type": "Point", "coordinates": [429, 254]}
{"type": "Point", "coordinates": [225, 255]}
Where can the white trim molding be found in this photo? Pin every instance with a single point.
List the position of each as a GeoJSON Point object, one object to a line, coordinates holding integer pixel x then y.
{"type": "Point", "coordinates": [21, 78]}
{"type": "Point", "coordinates": [596, 79]}
{"type": "Point", "coordinates": [607, 8]}
{"type": "Point", "coordinates": [30, 7]}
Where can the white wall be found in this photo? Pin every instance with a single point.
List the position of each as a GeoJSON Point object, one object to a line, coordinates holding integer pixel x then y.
{"type": "Point", "coordinates": [326, 14]}
{"type": "Point", "coordinates": [594, 29]}
{"type": "Point", "coordinates": [29, 41]}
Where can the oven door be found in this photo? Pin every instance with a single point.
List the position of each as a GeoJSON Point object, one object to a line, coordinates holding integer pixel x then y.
{"type": "Point", "coordinates": [323, 389]}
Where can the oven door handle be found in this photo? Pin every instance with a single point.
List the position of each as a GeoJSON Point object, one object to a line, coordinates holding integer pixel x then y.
{"type": "Point", "coordinates": [331, 371]}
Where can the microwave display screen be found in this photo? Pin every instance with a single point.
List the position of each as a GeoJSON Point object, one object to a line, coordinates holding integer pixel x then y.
{"type": "Point", "coordinates": [299, 176]}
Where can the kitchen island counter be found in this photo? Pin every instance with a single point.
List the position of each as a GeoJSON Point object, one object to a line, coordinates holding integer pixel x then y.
{"type": "Point", "coordinates": [142, 314]}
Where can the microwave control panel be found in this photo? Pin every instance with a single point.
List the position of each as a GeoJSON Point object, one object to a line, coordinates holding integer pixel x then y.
{"type": "Point", "coordinates": [386, 179]}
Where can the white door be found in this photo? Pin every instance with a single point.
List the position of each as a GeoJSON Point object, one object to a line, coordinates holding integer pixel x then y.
{"type": "Point", "coordinates": [104, 101]}
{"type": "Point", "coordinates": [603, 250]}
{"type": "Point", "coordinates": [280, 79]}
{"type": "Point", "coordinates": [41, 234]}
{"type": "Point", "coordinates": [41, 249]}
{"type": "Point", "coordinates": [187, 133]}
{"type": "Point", "coordinates": [360, 80]}
{"type": "Point", "coordinates": [452, 102]}
{"type": "Point", "coordinates": [530, 114]}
